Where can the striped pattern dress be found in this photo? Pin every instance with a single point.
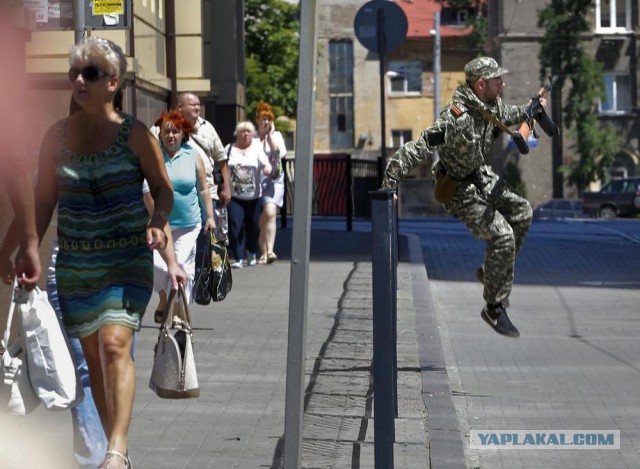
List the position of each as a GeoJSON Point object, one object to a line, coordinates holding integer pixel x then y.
{"type": "Point", "coordinates": [104, 269]}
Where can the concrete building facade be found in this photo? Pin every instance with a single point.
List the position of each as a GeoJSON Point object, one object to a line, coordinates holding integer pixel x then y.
{"type": "Point", "coordinates": [171, 47]}
{"type": "Point", "coordinates": [348, 91]}
{"type": "Point", "coordinates": [348, 99]}
{"type": "Point", "coordinates": [613, 41]}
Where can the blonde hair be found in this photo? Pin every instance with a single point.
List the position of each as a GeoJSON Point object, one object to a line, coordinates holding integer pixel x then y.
{"type": "Point", "coordinates": [244, 125]}
{"type": "Point", "coordinates": [103, 53]}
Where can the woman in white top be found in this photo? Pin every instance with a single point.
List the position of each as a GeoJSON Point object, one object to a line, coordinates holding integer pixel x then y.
{"type": "Point", "coordinates": [247, 163]}
{"type": "Point", "coordinates": [272, 143]}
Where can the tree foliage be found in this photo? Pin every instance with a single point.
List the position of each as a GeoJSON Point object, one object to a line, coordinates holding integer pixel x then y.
{"type": "Point", "coordinates": [271, 55]}
{"type": "Point", "coordinates": [562, 50]}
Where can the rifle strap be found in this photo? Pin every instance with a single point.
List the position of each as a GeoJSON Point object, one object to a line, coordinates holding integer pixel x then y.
{"type": "Point", "coordinates": [490, 117]}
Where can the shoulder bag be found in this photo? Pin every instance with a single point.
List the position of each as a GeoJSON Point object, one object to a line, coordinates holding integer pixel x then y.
{"type": "Point", "coordinates": [17, 397]}
{"type": "Point", "coordinates": [174, 368]}
{"type": "Point", "coordinates": [221, 277]}
{"type": "Point", "coordinates": [202, 284]}
{"type": "Point", "coordinates": [52, 371]}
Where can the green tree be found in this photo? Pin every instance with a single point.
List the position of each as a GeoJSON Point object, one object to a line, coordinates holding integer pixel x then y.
{"type": "Point", "coordinates": [271, 55]}
{"type": "Point", "coordinates": [563, 52]}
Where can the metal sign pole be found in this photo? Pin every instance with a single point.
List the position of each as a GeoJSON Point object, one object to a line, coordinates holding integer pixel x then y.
{"type": "Point", "coordinates": [380, 17]}
{"type": "Point", "coordinates": [299, 277]}
{"type": "Point", "coordinates": [78, 20]}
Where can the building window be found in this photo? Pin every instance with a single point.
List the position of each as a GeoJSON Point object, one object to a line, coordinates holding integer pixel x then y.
{"type": "Point", "coordinates": [456, 17]}
{"type": "Point", "coordinates": [400, 136]}
{"type": "Point", "coordinates": [341, 94]}
{"type": "Point", "coordinates": [618, 94]}
{"type": "Point", "coordinates": [613, 16]}
{"type": "Point", "coordinates": [405, 77]}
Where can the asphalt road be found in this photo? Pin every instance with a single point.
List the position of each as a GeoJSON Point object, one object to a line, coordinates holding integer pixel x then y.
{"type": "Point", "coordinates": [576, 300]}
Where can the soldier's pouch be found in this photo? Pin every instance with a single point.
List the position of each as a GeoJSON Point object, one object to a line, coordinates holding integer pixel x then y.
{"type": "Point", "coordinates": [444, 188]}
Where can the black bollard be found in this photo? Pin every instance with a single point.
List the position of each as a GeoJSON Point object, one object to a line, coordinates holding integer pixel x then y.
{"type": "Point", "coordinates": [384, 263]}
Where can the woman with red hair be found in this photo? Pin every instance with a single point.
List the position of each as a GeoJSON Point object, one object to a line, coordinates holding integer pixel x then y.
{"type": "Point", "coordinates": [190, 192]}
{"type": "Point", "coordinates": [272, 144]}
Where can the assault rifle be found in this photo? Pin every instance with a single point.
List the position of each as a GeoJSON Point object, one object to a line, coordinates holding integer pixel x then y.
{"type": "Point", "coordinates": [535, 113]}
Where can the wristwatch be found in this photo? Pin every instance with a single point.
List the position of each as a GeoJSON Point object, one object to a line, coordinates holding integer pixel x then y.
{"type": "Point", "coordinates": [162, 214]}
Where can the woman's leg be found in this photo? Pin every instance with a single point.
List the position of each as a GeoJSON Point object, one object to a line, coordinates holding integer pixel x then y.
{"type": "Point", "coordinates": [184, 241]}
{"type": "Point", "coordinates": [91, 350]}
{"type": "Point", "coordinates": [235, 212]}
{"type": "Point", "coordinates": [268, 228]}
{"type": "Point", "coordinates": [252, 224]}
{"type": "Point", "coordinates": [119, 382]}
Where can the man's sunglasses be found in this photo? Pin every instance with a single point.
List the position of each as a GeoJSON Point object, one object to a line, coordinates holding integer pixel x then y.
{"type": "Point", "coordinates": [89, 74]}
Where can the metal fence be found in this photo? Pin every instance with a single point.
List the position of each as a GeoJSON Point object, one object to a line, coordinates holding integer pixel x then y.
{"type": "Point", "coordinates": [341, 186]}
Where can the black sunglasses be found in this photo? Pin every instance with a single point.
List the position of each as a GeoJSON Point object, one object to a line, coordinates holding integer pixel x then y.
{"type": "Point", "coordinates": [89, 74]}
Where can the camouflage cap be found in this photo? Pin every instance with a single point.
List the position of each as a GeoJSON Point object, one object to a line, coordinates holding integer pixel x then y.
{"type": "Point", "coordinates": [483, 67]}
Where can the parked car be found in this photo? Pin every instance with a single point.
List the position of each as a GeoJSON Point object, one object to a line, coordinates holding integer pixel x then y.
{"type": "Point", "coordinates": [559, 208]}
{"type": "Point", "coordinates": [619, 198]}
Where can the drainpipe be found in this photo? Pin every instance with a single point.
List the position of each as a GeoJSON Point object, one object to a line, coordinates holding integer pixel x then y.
{"type": "Point", "coordinates": [132, 99]}
{"type": "Point", "coordinates": [170, 25]}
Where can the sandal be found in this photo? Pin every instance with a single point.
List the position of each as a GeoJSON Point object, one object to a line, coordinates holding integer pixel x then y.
{"type": "Point", "coordinates": [271, 258]}
{"type": "Point", "coordinates": [262, 260]}
{"type": "Point", "coordinates": [109, 457]}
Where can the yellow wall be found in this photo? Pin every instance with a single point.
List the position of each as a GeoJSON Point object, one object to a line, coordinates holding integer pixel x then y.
{"type": "Point", "coordinates": [47, 51]}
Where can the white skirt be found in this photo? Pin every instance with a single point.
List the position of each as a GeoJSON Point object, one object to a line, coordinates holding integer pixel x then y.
{"type": "Point", "coordinates": [273, 190]}
{"type": "Point", "coordinates": [184, 243]}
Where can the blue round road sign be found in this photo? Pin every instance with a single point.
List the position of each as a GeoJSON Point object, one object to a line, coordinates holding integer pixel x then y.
{"type": "Point", "coordinates": [380, 17]}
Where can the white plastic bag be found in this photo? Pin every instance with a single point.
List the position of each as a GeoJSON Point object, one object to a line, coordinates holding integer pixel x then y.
{"type": "Point", "coordinates": [16, 394]}
{"type": "Point", "coordinates": [51, 369]}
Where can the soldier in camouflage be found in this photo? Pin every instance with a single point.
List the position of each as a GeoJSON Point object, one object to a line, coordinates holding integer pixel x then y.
{"type": "Point", "coordinates": [463, 136]}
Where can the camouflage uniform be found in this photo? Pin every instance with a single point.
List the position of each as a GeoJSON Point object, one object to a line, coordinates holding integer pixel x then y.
{"type": "Point", "coordinates": [482, 200]}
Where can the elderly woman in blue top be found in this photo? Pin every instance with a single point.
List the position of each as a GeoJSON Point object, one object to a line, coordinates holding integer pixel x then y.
{"type": "Point", "coordinates": [190, 195]}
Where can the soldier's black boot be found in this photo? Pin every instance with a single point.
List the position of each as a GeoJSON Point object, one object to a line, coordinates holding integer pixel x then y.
{"type": "Point", "coordinates": [496, 317]}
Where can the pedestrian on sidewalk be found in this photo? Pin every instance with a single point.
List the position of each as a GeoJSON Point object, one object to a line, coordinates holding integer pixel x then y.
{"type": "Point", "coordinates": [92, 165]}
{"type": "Point", "coordinates": [192, 203]}
{"type": "Point", "coordinates": [247, 164]}
{"type": "Point", "coordinates": [463, 136]}
{"type": "Point", "coordinates": [272, 143]}
{"type": "Point", "coordinates": [205, 139]}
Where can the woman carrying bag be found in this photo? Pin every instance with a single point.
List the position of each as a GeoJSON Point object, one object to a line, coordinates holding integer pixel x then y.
{"type": "Point", "coordinates": [91, 166]}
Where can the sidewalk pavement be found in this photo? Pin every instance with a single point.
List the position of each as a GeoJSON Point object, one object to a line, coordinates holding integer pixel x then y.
{"type": "Point", "coordinates": [241, 355]}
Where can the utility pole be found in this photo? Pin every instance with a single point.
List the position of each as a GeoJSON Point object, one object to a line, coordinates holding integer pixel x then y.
{"type": "Point", "coordinates": [78, 20]}
{"type": "Point", "coordinates": [436, 66]}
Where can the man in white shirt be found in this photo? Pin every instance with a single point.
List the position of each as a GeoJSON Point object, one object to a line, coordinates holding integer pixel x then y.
{"type": "Point", "coordinates": [207, 140]}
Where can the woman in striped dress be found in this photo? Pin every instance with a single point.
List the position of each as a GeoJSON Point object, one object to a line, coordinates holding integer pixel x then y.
{"type": "Point", "coordinates": [92, 166]}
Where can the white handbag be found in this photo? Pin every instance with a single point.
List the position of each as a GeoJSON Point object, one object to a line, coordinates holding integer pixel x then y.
{"type": "Point", "coordinates": [174, 368]}
{"type": "Point", "coordinates": [16, 394]}
{"type": "Point", "coordinates": [52, 371]}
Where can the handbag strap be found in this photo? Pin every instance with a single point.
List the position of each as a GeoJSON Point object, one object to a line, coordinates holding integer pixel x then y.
{"type": "Point", "coordinates": [12, 308]}
{"type": "Point", "coordinates": [7, 331]}
{"type": "Point", "coordinates": [183, 310]}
